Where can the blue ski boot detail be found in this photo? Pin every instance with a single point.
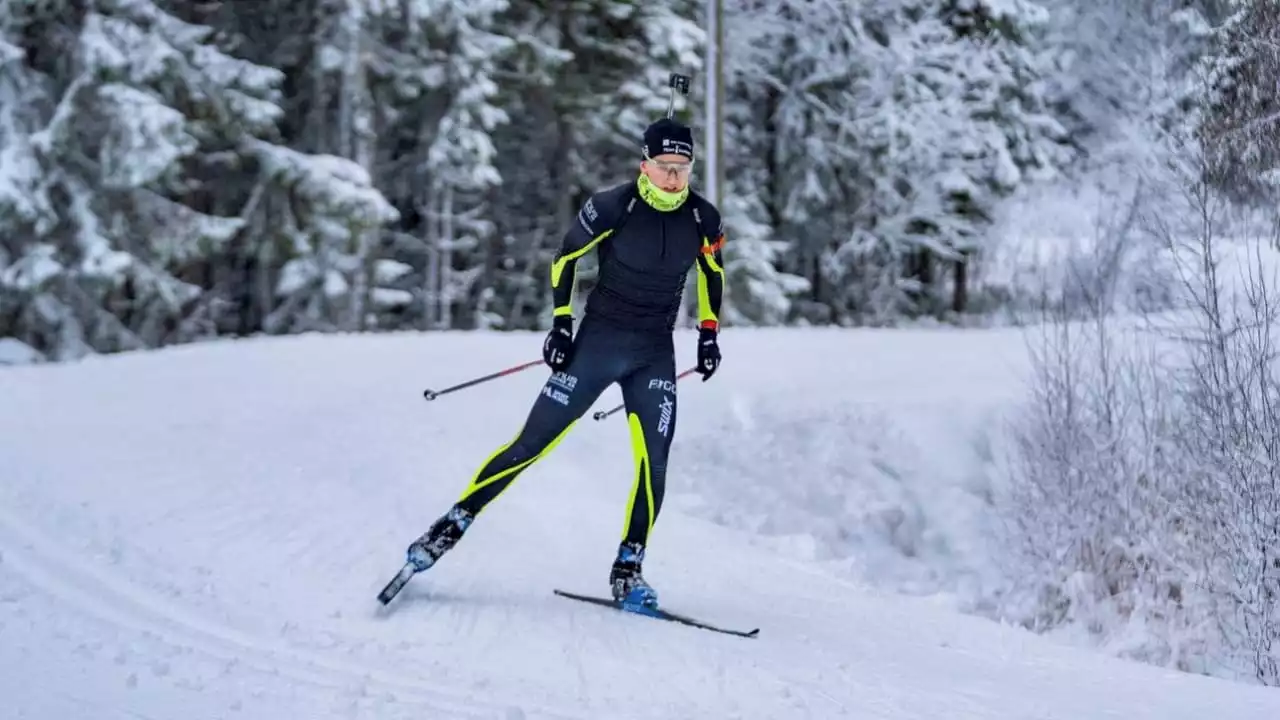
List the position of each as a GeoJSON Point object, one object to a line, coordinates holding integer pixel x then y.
{"type": "Point", "coordinates": [628, 584]}
{"type": "Point", "coordinates": [443, 535]}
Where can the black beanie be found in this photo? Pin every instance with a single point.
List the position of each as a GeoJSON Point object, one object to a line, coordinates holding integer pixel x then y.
{"type": "Point", "coordinates": [668, 137]}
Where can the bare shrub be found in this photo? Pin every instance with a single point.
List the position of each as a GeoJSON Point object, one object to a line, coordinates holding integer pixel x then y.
{"type": "Point", "coordinates": [1084, 519]}
{"type": "Point", "coordinates": [1229, 490]}
{"type": "Point", "coordinates": [1144, 504]}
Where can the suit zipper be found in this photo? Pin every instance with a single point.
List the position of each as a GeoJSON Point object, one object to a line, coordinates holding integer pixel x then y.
{"type": "Point", "coordinates": [662, 219]}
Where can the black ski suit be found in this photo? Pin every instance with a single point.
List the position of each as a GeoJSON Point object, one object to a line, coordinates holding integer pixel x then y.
{"type": "Point", "coordinates": [625, 337]}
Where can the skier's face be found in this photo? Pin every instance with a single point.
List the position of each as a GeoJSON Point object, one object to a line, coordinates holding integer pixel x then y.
{"type": "Point", "coordinates": [669, 172]}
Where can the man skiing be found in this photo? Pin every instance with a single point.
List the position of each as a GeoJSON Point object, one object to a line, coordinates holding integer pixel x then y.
{"type": "Point", "coordinates": [647, 235]}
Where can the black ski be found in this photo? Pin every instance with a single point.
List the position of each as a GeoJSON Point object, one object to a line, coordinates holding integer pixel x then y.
{"type": "Point", "coordinates": [655, 613]}
{"type": "Point", "coordinates": [397, 584]}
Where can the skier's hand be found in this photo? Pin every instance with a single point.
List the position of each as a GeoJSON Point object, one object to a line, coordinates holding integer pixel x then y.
{"type": "Point", "coordinates": [708, 353]}
{"type": "Point", "coordinates": [557, 349]}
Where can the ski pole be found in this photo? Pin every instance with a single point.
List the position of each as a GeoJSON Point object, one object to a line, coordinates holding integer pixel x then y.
{"type": "Point", "coordinates": [602, 414]}
{"type": "Point", "coordinates": [433, 394]}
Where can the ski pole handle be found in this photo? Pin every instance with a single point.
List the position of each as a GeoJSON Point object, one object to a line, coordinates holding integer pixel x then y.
{"type": "Point", "coordinates": [602, 414]}
{"type": "Point", "coordinates": [433, 394]}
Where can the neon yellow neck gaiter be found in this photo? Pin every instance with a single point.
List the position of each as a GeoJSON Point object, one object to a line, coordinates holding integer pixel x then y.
{"type": "Point", "coordinates": [661, 199]}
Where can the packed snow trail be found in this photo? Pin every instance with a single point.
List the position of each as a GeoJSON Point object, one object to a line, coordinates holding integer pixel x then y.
{"type": "Point", "coordinates": [200, 532]}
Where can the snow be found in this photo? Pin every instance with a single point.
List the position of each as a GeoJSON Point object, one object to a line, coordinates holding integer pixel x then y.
{"type": "Point", "coordinates": [184, 234]}
{"type": "Point", "coordinates": [147, 143]}
{"type": "Point", "coordinates": [388, 297]}
{"type": "Point", "coordinates": [200, 531]}
{"type": "Point", "coordinates": [34, 269]}
{"type": "Point", "coordinates": [337, 186]}
{"type": "Point", "coordinates": [16, 352]}
{"type": "Point", "coordinates": [388, 271]}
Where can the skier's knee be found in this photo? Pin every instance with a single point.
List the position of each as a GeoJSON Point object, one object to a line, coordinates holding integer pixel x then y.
{"type": "Point", "coordinates": [533, 443]}
{"type": "Point", "coordinates": [527, 448]}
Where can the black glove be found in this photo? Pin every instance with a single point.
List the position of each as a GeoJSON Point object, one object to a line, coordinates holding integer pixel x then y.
{"type": "Point", "coordinates": [557, 349]}
{"type": "Point", "coordinates": [708, 353]}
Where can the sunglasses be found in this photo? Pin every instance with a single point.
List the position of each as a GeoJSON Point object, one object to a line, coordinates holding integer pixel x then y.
{"type": "Point", "coordinates": [673, 167]}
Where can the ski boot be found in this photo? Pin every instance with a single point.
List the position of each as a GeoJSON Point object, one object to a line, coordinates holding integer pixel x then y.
{"type": "Point", "coordinates": [426, 550]}
{"type": "Point", "coordinates": [629, 586]}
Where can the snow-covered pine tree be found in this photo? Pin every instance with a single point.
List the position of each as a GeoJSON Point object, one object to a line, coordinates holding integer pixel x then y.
{"type": "Point", "coordinates": [338, 121]}
{"type": "Point", "coordinates": [980, 127]}
{"type": "Point", "coordinates": [772, 154]}
{"type": "Point", "coordinates": [159, 179]}
{"type": "Point", "coordinates": [1240, 119]}
{"type": "Point", "coordinates": [312, 219]}
{"type": "Point", "coordinates": [28, 268]}
{"type": "Point", "coordinates": [798, 71]}
{"type": "Point", "coordinates": [759, 293]}
{"type": "Point", "coordinates": [311, 259]}
{"type": "Point", "coordinates": [950, 121]}
{"type": "Point", "coordinates": [125, 107]}
{"type": "Point", "coordinates": [1117, 70]}
{"type": "Point", "coordinates": [433, 84]}
{"type": "Point", "coordinates": [536, 161]}
{"type": "Point", "coordinates": [878, 137]}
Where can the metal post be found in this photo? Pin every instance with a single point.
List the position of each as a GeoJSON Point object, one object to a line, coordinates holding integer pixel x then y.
{"type": "Point", "coordinates": [715, 100]}
{"type": "Point", "coordinates": [713, 70]}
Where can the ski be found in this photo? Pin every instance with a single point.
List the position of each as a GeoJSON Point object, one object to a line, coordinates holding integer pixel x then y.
{"type": "Point", "coordinates": [397, 584]}
{"type": "Point", "coordinates": [656, 613]}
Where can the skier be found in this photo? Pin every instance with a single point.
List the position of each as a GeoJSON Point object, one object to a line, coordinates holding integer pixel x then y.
{"type": "Point", "coordinates": [647, 234]}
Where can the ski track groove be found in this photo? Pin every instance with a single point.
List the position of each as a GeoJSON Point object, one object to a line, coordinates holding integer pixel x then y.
{"type": "Point", "coordinates": [29, 553]}
{"type": "Point", "coordinates": [576, 656]}
{"type": "Point", "coordinates": [614, 634]}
